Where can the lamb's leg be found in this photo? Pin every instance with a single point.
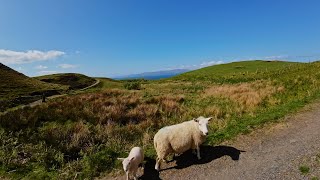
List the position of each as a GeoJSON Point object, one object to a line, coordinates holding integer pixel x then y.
{"type": "Point", "coordinates": [135, 175]}
{"type": "Point", "coordinates": [127, 173]}
{"type": "Point", "coordinates": [157, 167]}
{"type": "Point", "coordinates": [198, 152]}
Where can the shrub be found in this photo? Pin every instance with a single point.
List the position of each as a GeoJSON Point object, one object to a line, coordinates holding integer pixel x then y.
{"type": "Point", "coordinates": [132, 85]}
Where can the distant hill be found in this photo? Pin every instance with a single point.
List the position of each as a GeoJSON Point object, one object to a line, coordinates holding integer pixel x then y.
{"type": "Point", "coordinates": [155, 75]}
{"type": "Point", "coordinates": [235, 71]}
{"type": "Point", "coordinates": [73, 80]}
{"type": "Point", "coordinates": [14, 86]}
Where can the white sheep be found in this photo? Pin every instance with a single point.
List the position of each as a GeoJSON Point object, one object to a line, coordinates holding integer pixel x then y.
{"type": "Point", "coordinates": [131, 163]}
{"type": "Point", "coordinates": [180, 138]}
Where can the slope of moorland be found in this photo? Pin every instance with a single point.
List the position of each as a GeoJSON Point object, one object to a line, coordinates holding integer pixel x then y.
{"type": "Point", "coordinates": [73, 80]}
{"type": "Point", "coordinates": [82, 135]}
{"type": "Point", "coordinates": [14, 85]}
{"type": "Point", "coordinates": [235, 71]}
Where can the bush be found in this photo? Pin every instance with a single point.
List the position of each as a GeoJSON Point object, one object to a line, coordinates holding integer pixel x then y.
{"type": "Point", "coordinates": [132, 85]}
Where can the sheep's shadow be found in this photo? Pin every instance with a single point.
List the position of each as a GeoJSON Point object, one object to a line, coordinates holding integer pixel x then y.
{"type": "Point", "coordinates": [149, 171]}
{"type": "Point", "coordinates": [208, 154]}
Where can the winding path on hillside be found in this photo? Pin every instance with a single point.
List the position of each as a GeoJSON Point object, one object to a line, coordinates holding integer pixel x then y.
{"type": "Point", "coordinates": [35, 103]}
{"type": "Point", "coordinates": [60, 95]}
{"type": "Point", "coordinates": [275, 151]}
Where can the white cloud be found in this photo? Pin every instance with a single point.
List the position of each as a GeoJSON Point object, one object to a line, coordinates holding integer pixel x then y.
{"type": "Point", "coordinates": [18, 68]}
{"type": "Point", "coordinates": [47, 72]}
{"type": "Point", "coordinates": [210, 63]}
{"type": "Point", "coordinates": [67, 66]}
{"type": "Point", "coordinates": [278, 57]}
{"type": "Point", "coordinates": [293, 57]}
{"type": "Point", "coordinates": [196, 66]}
{"type": "Point", "coordinates": [20, 57]}
{"type": "Point", "coordinates": [41, 67]}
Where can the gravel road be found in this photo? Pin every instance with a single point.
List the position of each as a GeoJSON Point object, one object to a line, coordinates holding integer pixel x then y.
{"type": "Point", "coordinates": [275, 151]}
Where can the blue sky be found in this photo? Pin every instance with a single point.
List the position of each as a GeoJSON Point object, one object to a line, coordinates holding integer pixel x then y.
{"type": "Point", "coordinates": [118, 37]}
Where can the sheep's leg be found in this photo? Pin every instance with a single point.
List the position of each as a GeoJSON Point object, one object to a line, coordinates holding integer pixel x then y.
{"type": "Point", "coordinates": [198, 152]}
{"type": "Point", "coordinates": [194, 151]}
{"type": "Point", "coordinates": [127, 173]}
{"type": "Point", "coordinates": [157, 167]}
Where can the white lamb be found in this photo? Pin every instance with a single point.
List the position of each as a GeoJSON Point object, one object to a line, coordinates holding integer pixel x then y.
{"type": "Point", "coordinates": [180, 138]}
{"type": "Point", "coordinates": [131, 163]}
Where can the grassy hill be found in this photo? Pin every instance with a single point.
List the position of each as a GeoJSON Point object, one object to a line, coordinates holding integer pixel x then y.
{"type": "Point", "coordinates": [73, 80]}
{"type": "Point", "coordinates": [235, 71]}
{"type": "Point", "coordinates": [14, 85]}
{"type": "Point", "coordinates": [82, 135]}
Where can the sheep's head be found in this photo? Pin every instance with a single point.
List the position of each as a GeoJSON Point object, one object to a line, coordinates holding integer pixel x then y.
{"type": "Point", "coordinates": [126, 163]}
{"type": "Point", "coordinates": [203, 124]}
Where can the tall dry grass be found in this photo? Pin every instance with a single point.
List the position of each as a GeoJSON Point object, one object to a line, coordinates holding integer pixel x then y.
{"type": "Point", "coordinates": [248, 95]}
{"type": "Point", "coordinates": [84, 126]}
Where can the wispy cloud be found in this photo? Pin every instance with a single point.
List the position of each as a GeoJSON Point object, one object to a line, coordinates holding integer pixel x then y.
{"type": "Point", "coordinates": [20, 57]}
{"type": "Point", "coordinates": [197, 66]}
{"type": "Point", "coordinates": [278, 57]}
{"type": "Point", "coordinates": [47, 72]}
{"type": "Point", "coordinates": [292, 57]}
{"type": "Point", "coordinates": [67, 66]}
{"type": "Point", "coordinates": [41, 67]}
{"type": "Point", "coordinates": [18, 68]}
{"type": "Point", "coordinates": [210, 63]}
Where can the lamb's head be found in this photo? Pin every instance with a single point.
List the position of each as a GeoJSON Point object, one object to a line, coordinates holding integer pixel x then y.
{"type": "Point", "coordinates": [126, 163]}
{"type": "Point", "coordinates": [203, 124]}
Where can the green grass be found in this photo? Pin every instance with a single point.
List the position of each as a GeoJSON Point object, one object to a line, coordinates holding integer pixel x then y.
{"type": "Point", "coordinates": [107, 83]}
{"type": "Point", "coordinates": [83, 134]}
{"type": "Point", "coordinates": [73, 80]}
{"type": "Point", "coordinates": [304, 170]}
{"type": "Point", "coordinates": [236, 71]}
{"type": "Point", "coordinates": [14, 85]}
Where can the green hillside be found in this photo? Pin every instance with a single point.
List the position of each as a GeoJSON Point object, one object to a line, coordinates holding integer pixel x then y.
{"type": "Point", "coordinates": [14, 85]}
{"type": "Point", "coordinates": [235, 71]}
{"type": "Point", "coordinates": [82, 135]}
{"type": "Point", "coordinates": [73, 80]}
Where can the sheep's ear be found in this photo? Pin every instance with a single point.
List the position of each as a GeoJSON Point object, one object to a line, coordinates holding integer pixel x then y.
{"type": "Point", "coordinates": [195, 120]}
{"type": "Point", "coordinates": [209, 118]}
{"type": "Point", "coordinates": [121, 159]}
{"type": "Point", "coordinates": [131, 159]}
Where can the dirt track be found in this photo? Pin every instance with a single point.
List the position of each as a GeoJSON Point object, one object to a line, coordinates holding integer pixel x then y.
{"type": "Point", "coordinates": [273, 152]}
{"type": "Point", "coordinates": [60, 95]}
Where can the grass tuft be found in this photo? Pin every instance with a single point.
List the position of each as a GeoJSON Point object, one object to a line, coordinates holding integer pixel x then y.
{"type": "Point", "coordinates": [304, 170]}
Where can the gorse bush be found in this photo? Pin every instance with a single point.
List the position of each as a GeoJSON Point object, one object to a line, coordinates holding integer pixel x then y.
{"type": "Point", "coordinates": [135, 85]}
{"type": "Point", "coordinates": [81, 136]}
